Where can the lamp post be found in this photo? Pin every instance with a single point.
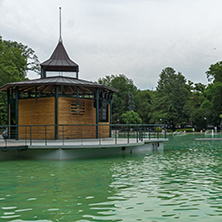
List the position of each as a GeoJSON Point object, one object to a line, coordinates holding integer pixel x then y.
{"type": "Point", "coordinates": [205, 119]}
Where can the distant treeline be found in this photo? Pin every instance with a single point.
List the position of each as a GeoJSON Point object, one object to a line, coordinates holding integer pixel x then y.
{"type": "Point", "coordinates": [177, 102]}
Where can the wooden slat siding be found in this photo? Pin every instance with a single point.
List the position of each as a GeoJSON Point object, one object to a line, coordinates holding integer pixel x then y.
{"type": "Point", "coordinates": [104, 130]}
{"type": "Point", "coordinates": [41, 112]}
{"type": "Point", "coordinates": [65, 116]}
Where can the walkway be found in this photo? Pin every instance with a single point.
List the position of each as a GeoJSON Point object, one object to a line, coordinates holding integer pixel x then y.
{"type": "Point", "coordinates": [75, 143]}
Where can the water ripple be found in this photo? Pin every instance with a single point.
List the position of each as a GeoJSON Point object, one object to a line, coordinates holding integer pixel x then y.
{"type": "Point", "coordinates": [182, 183]}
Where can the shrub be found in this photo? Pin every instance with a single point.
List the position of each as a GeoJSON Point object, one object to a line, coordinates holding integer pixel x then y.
{"type": "Point", "coordinates": [188, 130]}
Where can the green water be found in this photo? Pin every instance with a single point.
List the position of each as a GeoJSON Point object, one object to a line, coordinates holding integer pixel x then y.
{"type": "Point", "coordinates": [182, 183]}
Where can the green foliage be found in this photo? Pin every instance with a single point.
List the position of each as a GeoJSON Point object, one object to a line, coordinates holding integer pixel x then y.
{"type": "Point", "coordinates": [143, 104]}
{"type": "Point", "coordinates": [158, 129]}
{"type": "Point", "coordinates": [131, 117]}
{"type": "Point", "coordinates": [188, 130]}
{"type": "Point", "coordinates": [169, 130]}
{"type": "Point", "coordinates": [171, 95]}
{"type": "Point", "coordinates": [126, 89]}
{"type": "Point", "coordinates": [15, 60]}
{"type": "Point", "coordinates": [215, 72]}
{"type": "Point", "coordinates": [196, 110]}
{"type": "Point", "coordinates": [176, 101]}
{"type": "Point", "coordinates": [3, 109]}
{"type": "Point", "coordinates": [214, 106]}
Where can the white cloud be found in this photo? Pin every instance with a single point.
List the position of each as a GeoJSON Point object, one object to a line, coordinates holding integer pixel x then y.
{"type": "Point", "coordinates": [135, 37]}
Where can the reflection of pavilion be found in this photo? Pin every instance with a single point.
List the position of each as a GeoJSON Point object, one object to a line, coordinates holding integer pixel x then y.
{"type": "Point", "coordinates": [59, 97]}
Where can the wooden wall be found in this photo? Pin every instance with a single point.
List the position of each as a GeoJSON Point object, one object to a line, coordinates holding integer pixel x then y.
{"type": "Point", "coordinates": [40, 112]}
{"type": "Point", "coordinates": [65, 116]}
{"type": "Point", "coordinates": [104, 130]}
{"type": "Point", "coordinates": [88, 117]}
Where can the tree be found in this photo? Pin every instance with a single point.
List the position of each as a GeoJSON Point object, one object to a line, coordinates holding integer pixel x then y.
{"type": "Point", "coordinates": [215, 72]}
{"type": "Point", "coordinates": [198, 107]}
{"type": "Point", "coordinates": [15, 60]}
{"type": "Point", "coordinates": [214, 95]}
{"type": "Point", "coordinates": [123, 100]}
{"type": "Point", "coordinates": [171, 95]}
{"type": "Point", "coordinates": [143, 104]}
{"type": "Point", "coordinates": [131, 117]}
{"type": "Point", "coordinates": [214, 91]}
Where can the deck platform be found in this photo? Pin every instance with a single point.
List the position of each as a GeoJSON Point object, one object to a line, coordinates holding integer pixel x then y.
{"type": "Point", "coordinates": [208, 139]}
{"type": "Point", "coordinates": [77, 148]}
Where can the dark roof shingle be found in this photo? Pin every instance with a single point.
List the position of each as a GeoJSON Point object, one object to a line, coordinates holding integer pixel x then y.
{"type": "Point", "coordinates": [60, 61]}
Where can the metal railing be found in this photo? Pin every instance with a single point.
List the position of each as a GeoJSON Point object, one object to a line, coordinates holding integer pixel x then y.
{"type": "Point", "coordinates": [78, 134]}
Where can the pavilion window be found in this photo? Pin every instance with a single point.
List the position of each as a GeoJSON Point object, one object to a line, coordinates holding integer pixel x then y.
{"type": "Point", "coordinates": [59, 73]}
{"type": "Point", "coordinates": [103, 111]}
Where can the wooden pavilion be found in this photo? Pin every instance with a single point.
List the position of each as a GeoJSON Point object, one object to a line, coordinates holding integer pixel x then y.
{"type": "Point", "coordinates": [59, 98]}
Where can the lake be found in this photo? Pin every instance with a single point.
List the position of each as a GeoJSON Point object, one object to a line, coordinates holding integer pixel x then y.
{"type": "Point", "coordinates": [181, 183]}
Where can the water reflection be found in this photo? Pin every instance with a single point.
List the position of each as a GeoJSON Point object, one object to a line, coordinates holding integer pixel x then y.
{"type": "Point", "coordinates": [34, 190]}
{"type": "Point", "coordinates": [183, 183]}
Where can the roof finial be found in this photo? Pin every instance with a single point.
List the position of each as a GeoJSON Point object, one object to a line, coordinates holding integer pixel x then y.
{"type": "Point", "coordinates": [60, 26]}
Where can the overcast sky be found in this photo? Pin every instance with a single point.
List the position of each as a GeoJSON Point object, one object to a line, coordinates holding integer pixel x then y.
{"type": "Point", "coordinates": [137, 38]}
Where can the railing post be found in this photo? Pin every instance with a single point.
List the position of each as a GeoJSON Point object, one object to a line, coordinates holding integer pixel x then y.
{"type": "Point", "coordinates": [142, 132]}
{"type": "Point", "coordinates": [115, 136]}
{"type": "Point", "coordinates": [25, 135]}
{"type": "Point", "coordinates": [157, 132]}
{"type": "Point", "coordinates": [63, 142]}
{"type": "Point", "coordinates": [128, 134]}
{"type": "Point", "coordinates": [30, 135]}
{"type": "Point", "coordinates": [137, 139]}
{"type": "Point", "coordinates": [45, 136]}
{"type": "Point", "coordinates": [81, 136]}
{"type": "Point", "coordinates": [16, 112]}
{"type": "Point", "coordinates": [149, 133]}
{"type": "Point", "coordinates": [99, 134]}
{"type": "Point", "coordinates": [5, 142]}
{"type": "Point", "coordinates": [97, 112]}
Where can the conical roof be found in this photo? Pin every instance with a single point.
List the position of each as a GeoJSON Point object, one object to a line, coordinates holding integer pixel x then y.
{"type": "Point", "coordinates": [60, 61]}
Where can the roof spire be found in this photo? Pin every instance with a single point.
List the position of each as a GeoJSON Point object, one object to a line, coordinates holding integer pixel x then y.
{"type": "Point", "coordinates": [60, 26]}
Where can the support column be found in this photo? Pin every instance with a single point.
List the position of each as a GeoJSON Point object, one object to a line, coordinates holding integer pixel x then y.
{"type": "Point", "coordinates": [56, 111]}
{"type": "Point", "coordinates": [16, 112]}
{"type": "Point", "coordinates": [97, 113]}
{"type": "Point", "coordinates": [110, 117]}
{"type": "Point", "coordinates": [36, 94]}
{"type": "Point", "coordinates": [8, 107]}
